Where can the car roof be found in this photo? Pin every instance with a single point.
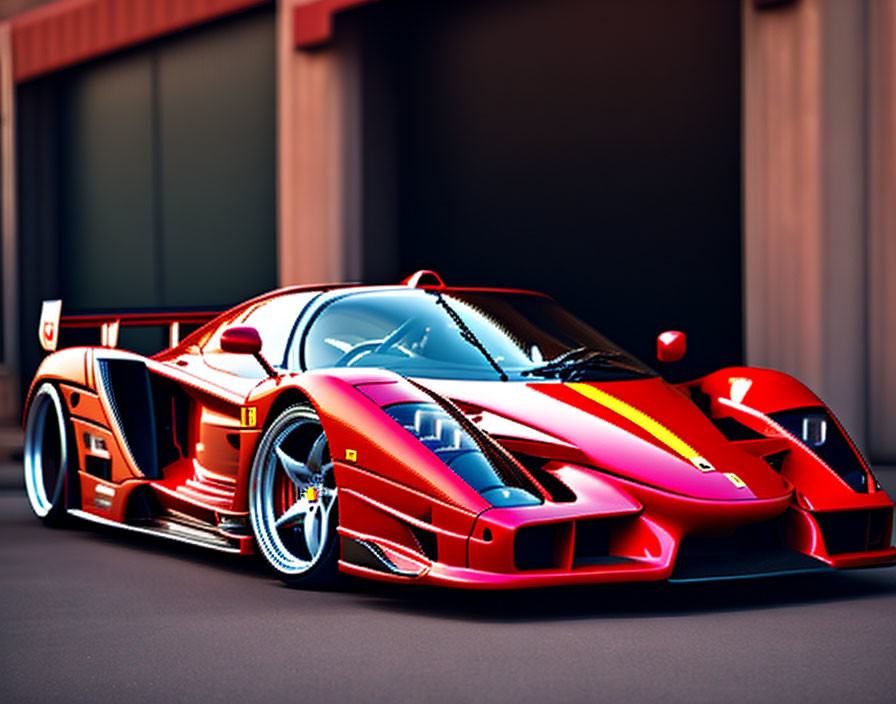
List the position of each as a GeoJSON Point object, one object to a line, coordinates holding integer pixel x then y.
{"type": "Point", "coordinates": [198, 335]}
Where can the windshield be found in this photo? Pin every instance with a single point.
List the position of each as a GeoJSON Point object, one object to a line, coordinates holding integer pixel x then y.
{"type": "Point", "coordinates": [462, 335]}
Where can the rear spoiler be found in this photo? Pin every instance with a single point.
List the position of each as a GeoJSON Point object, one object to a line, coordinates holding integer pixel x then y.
{"type": "Point", "coordinates": [51, 321]}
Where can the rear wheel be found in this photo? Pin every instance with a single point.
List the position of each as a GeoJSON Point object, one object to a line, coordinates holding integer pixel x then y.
{"type": "Point", "coordinates": [47, 456]}
{"type": "Point", "coordinates": [292, 500]}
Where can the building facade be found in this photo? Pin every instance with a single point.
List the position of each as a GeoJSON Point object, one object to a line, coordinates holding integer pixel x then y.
{"type": "Point", "coordinates": [726, 168]}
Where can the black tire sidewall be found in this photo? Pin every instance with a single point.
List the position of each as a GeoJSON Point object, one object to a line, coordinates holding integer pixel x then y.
{"type": "Point", "coordinates": [66, 492]}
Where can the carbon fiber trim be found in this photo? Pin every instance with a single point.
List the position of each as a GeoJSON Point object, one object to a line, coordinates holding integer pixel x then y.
{"type": "Point", "coordinates": [370, 555]}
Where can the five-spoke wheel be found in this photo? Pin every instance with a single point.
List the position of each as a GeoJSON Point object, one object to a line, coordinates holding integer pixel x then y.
{"type": "Point", "coordinates": [292, 499]}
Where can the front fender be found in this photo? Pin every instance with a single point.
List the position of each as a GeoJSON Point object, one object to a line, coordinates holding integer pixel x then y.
{"type": "Point", "coordinates": [394, 493]}
{"type": "Point", "coordinates": [831, 477]}
{"type": "Point", "coordinates": [765, 390]}
{"type": "Point", "coordinates": [361, 435]}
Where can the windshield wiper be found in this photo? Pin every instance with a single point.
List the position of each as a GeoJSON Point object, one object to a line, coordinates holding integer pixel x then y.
{"type": "Point", "coordinates": [558, 362]}
{"type": "Point", "coordinates": [580, 359]}
{"type": "Point", "coordinates": [468, 334]}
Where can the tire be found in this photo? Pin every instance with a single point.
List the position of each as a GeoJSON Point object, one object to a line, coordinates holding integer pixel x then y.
{"type": "Point", "coordinates": [49, 456]}
{"type": "Point", "coordinates": [292, 500]}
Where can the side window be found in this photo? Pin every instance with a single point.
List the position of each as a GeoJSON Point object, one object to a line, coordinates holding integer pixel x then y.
{"type": "Point", "coordinates": [348, 325]}
{"type": "Point", "coordinates": [274, 320]}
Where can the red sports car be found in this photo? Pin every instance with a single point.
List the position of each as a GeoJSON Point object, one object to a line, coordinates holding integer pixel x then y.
{"type": "Point", "coordinates": [470, 437]}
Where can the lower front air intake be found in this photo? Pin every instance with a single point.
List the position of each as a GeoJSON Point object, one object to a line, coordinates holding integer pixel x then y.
{"type": "Point", "coordinates": [750, 551]}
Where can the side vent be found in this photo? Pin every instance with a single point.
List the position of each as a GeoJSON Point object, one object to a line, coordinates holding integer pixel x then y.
{"type": "Point", "coordinates": [592, 541]}
{"type": "Point", "coordinates": [582, 544]}
{"type": "Point", "coordinates": [143, 506]}
{"type": "Point", "coordinates": [535, 547]}
{"type": "Point", "coordinates": [734, 430]}
{"type": "Point", "coordinates": [776, 461]}
{"type": "Point", "coordinates": [126, 386]}
{"type": "Point", "coordinates": [557, 490]}
{"type": "Point", "coordinates": [365, 553]}
{"type": "Point", "coordinates": [427, 541]}
{"type": "Point", "coordinates": [702, 400]}
{"type": "Point", "coordinates": [98, 467]}
{"type": "Point", "coordinates": [855, 531]}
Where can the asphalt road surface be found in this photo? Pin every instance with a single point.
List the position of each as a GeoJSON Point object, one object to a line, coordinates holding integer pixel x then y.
{"type": "Point", "coordinates": [96, 615]}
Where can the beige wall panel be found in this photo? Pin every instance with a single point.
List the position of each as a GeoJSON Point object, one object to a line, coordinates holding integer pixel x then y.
{"type": "Point", "coordinates": [803, 199]}
{"type": "Point", "coordinates": [319, 152]}
{"type": "Point", "coordinates": [843, 223]}
{"type": "Point", "coordinates": [882, 228]}
{"type": "Point", "coordinates": [781, 194]}
{"type": "Point", "coordinates": [9, 401]}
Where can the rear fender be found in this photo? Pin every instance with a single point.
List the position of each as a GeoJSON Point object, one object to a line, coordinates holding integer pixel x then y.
{"type": "Point", "coordinates": [71, 365]}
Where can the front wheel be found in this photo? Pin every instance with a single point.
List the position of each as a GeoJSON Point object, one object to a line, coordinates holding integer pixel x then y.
{"type": "Point", "coordinates": [47, 458]}
{"type": "Point", "coordinates": [292, 500]}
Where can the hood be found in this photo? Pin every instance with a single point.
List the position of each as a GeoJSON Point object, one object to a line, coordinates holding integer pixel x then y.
{"type": "Point", "coordinates": [644, 430]}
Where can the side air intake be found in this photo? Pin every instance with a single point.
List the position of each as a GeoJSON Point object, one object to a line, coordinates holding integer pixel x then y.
{"type": "Point", "coordinates": [125, 383]}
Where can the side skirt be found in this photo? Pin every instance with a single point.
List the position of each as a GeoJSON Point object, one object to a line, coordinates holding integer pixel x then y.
{"type": "Point", "coordinates": [162, 528]}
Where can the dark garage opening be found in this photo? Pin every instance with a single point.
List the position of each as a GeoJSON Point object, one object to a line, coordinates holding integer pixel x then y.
{"type": "Point", "coordinates": [148, 179]}
{"type": "Point", "coordinates": [587, 149]}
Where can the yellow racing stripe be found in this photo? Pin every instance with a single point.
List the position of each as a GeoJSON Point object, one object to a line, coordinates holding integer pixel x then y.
{"type": "Point", "coordinates": [645, 422]}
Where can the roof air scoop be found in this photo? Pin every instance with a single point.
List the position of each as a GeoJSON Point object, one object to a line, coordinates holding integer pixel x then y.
{"type": "Point", "coordinates": [424, 277]}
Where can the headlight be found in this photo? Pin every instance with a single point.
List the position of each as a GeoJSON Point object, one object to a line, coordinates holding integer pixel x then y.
{"type": "Point", "coordinates": [814, 430]}
{"type": "Point", "coordinates": [817, 430]}
{"type": "Point", "coordinates": [454, 446]}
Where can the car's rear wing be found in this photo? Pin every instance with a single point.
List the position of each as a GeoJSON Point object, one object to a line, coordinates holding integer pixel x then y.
{"type": "Point", "coordinates": [52, 321]}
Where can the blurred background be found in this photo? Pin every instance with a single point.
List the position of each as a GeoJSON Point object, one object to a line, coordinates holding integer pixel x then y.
{"type": "Point", "coordinates": [722, 167]}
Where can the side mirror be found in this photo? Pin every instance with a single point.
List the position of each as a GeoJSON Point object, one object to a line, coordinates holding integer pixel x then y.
{"type": "Point", "coordinates": [241, 341]}
{"type": "Point", "coordinates": [245, 340]}
{"type": "Point", "coordinates": [671, 345]}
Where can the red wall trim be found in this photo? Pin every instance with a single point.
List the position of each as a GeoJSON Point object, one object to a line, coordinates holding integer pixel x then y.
{"type": "Point", "coordinates": [68, 32]}
{"type": "Point", "coordinates": [313, 21]}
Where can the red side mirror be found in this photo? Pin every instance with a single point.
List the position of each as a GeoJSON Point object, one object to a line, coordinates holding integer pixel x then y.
{"type": "Point", "coordinates": [671, 345]}
{"type": "Point", "coordinates": [241, 341]}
